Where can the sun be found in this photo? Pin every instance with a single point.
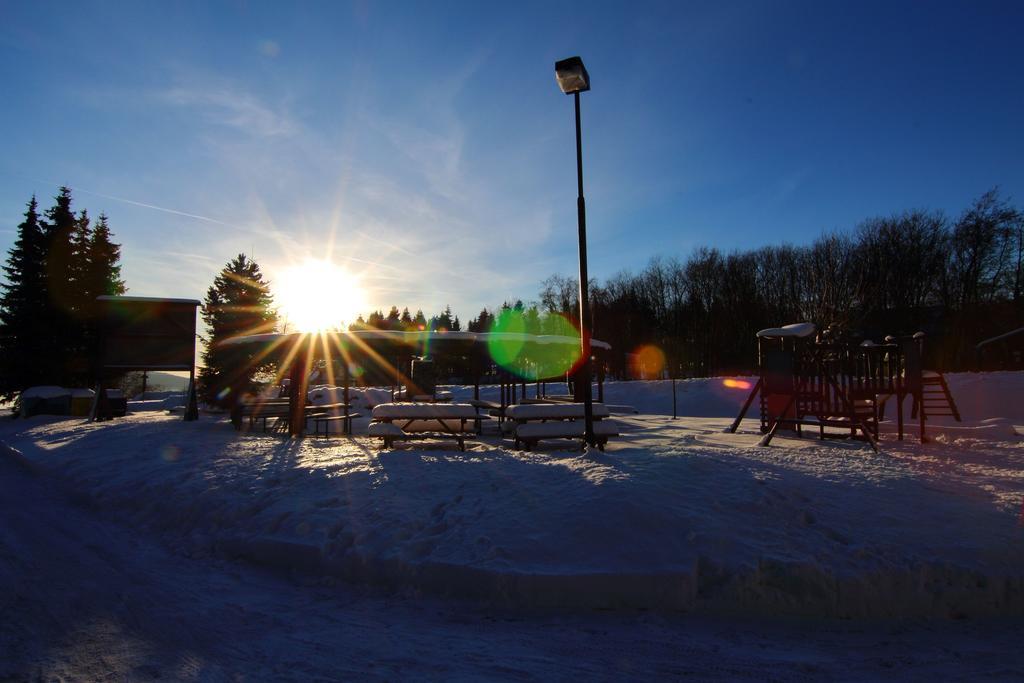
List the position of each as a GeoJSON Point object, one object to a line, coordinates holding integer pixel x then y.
{"type": "Point", "coordinates": [318, 295]}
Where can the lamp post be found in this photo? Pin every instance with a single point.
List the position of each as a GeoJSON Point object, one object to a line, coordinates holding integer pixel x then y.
{"type": "Point", "coordinates": [573, 79]}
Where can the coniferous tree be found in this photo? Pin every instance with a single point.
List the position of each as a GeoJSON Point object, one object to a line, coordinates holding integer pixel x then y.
{"type": "Point", "coordinates": [238, 303]}
{"type": "Point", "coordinates": [482, 323]}
{"type": "Point", "coordinates": [60, 340]}
{"type": "Point", "coordinates": [23, 302]}
{"type": "Point", "coordinates": [393, 321]}
{"type": "Point", "coordinates": [102, 278]}
{"type": "Point", "coordinates": [79, 268]}
{"type": "Point", "coordinates": [104, 258]}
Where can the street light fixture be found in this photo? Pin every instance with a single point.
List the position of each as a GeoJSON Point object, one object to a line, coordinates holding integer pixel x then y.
{"type": "Point", "coordinates": [573, 79]}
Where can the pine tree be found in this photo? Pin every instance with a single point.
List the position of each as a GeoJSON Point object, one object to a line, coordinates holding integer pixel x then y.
{"type": "Point", "coordinates": [442, 322]}
{"type": "Point", "coordinates": [58, 229]}
{"type": "Point", "coordinates": [78, 272]}
{"type": "Point", "coordinates": [22, 304]}
{"type": "Point", "coordinates": [393, 321]}
{"type": "Point", "coordinates": [482, 323]}
{"type": "Point", "coordinates": [60, 339]}
{"type": "Point", "coordinates": [104, 258]}
{"type": "Point", "coordinates": [406, 320]}
{"type": "Point", "coordinates": [238, 303]}
{"type": "Point", "coordinates": [419, 321]}
{"type": "Point", "coordinates": [102, 277]}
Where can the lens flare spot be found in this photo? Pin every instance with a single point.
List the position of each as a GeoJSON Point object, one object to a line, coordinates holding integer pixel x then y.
{"type": "Point", "coordinates": [647, 362]}
{"type": "Point", "coordinates": [531, 357]}
{"type": "Point", "coordinates": [555, 360]}
{"type": "Point", "coordinates": [736, 383]}
{"type": "Point", "coordinates": [170, 453]}
{"type": "Point", "coordinates": [505, 350]}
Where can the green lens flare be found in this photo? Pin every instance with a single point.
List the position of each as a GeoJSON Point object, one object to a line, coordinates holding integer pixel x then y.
{"type": "Point", "coordinates": [531, 356]}
{"type": "Point", "coordinates": [506, 343]}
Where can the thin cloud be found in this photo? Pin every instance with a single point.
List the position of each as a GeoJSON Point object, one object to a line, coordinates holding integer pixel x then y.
{"type": "Point", "coordinates": [229, 106]}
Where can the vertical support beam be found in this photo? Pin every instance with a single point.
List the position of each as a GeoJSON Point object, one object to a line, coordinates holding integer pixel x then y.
{"type": "Point", "coordinates": [477, 369]}
{"type": "Point", "coordinates": [299, 388]}
{"type": "Point", "coordinates": [674, 412]}
{"type": "Point", "coordinates": [899, 408]}
{"type": "Point", "coordinates": [95, 412]}
{"type": "Point", "coordinates": [920, 412]}
{"type": "Point", "coordinates": [191, 402]}
{"type": "Point", "coordinates": [345, 381]}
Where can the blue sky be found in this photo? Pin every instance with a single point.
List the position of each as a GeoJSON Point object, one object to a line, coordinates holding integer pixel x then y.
{"type": "Point", "coordinates": [427, 147]}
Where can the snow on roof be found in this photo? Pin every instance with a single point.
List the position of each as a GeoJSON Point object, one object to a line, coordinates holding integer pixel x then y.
{"type": "Point", "coordinates": [147, 299]}
{"type": "Point", "coordinates": [795, 330]}
{"type": "Point", "coordinates": [412, 338]}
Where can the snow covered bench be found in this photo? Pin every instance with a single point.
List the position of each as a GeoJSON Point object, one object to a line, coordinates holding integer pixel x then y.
{"type": "Point", "coordinates": [531, 432]}
{"type": "Point", "coordinates": [537, 421]}
{"type": "Point", "coordinates": [401, 421]}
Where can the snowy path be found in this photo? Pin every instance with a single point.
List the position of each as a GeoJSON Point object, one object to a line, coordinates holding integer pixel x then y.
{"type": "Point", "coordinates": [87, 599]}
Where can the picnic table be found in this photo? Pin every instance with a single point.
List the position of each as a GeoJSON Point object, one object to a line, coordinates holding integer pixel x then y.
{"type": "Point", "coordinates": [326, 415]}
{"type": "Point", "coordinates": [533, 422]}
{"type": "Point", "coordinates": [401, 421]}
{"type": "Point", "coordinates": [281, 411]}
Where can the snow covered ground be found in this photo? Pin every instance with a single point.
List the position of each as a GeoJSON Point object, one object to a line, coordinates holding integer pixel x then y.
{"type": "Point", "coordinates": [488, 563]}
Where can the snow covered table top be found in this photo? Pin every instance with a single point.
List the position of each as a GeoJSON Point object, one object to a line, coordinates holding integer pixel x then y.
{"type": "Point", "coordinates": [553, 411]}
{"type": "Point", "coordinates": [398, 411]}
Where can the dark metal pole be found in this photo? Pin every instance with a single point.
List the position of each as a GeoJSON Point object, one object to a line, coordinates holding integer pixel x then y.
{"type": "Point", "coordinates": [581, 210]}
{"type": "Point", "coordinates": [674, 412]}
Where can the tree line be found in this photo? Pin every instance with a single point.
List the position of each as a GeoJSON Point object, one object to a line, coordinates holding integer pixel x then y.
{"type": "Point", "coordinates": [958, 280]}
{"type": "Point", "coordinates": [59, 263]}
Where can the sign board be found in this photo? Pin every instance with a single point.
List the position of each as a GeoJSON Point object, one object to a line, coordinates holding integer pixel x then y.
{"type": "Point", "coordinates": [142, 333]}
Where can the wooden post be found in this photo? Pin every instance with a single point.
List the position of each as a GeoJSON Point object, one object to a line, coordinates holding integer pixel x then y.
{"type": "Point", "coordinates": [347, 426]}
{"type": "Point", "coordinates": [746, 405]}
{"type": "Point", "coordinates": [191, 402]}
{"type": "Point", "coordinates": [299, 386]}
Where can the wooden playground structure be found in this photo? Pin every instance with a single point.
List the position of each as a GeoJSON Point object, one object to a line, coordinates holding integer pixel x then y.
{"type": "Point", "coordinates": [823, 381]}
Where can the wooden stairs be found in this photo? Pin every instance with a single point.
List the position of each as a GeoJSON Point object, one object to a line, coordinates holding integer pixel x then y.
{"type": "Point", "coordinates": [936, 399]}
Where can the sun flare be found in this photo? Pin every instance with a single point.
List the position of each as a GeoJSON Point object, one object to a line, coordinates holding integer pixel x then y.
{"type": "Point", "coordinates": [318, 295]}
